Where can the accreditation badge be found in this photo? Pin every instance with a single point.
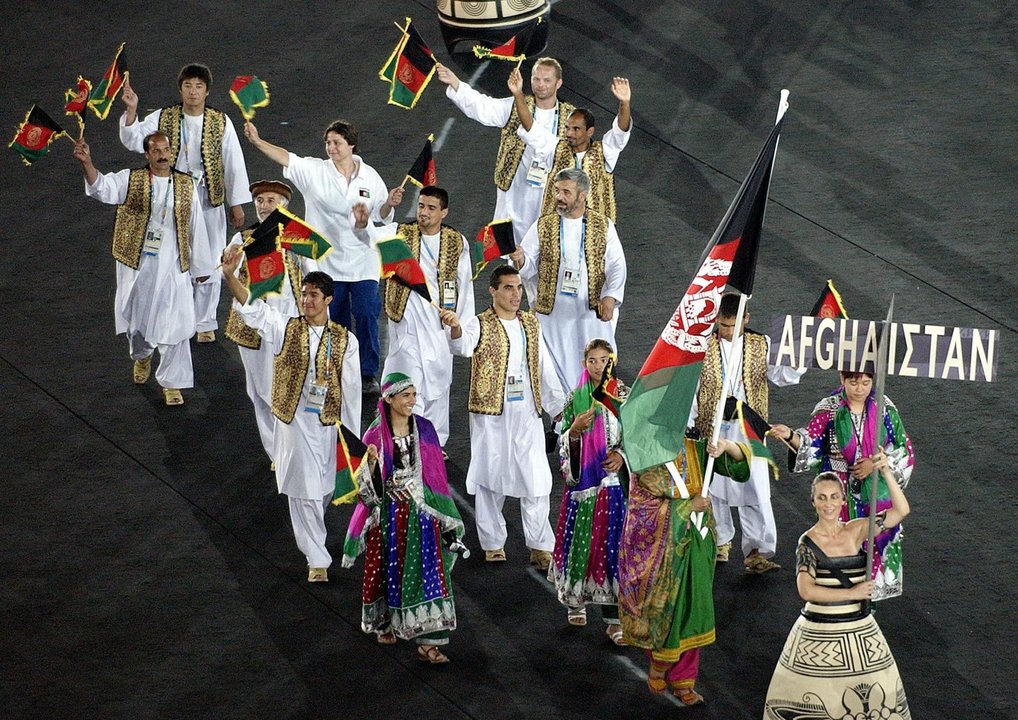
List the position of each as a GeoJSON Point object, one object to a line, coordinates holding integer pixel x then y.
{"type": "Point", "coordinates": [449, 294]}
{"type": "Point", "coordinates": [514, 388]}
{"type": "Point", "coordinates": [537, 176]}
{"type": "Point", "coordinates": [153, 241]}
{"type": "Point", "coordinates": [316, 398]}
{"type": "Point", "coordinates": [570, 281]}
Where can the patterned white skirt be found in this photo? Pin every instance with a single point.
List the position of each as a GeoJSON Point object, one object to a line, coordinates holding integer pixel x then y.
{"type": "Point", "coordinates": [829, 671]}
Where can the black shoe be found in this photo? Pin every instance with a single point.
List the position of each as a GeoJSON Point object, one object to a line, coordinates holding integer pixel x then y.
{"type": "Point", "coordinates": [369, 386]}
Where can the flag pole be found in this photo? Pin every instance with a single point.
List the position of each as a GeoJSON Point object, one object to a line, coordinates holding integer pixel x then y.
{"type": "Point", "coordinates": [878, 429]}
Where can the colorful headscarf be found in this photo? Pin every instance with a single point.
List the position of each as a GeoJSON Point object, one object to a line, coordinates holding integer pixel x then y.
{"type": "Point", "coordinates": [395, 383]}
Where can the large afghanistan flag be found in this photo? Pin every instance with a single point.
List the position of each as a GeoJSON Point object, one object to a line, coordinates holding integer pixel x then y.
{"type": "Point", "coordinates": [409, 69]}
{"type": "Point", "coordinates": [655, 414]}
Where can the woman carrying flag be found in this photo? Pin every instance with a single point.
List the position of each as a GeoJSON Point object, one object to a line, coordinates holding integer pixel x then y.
{"type": "Point", "coordinates": [407, 523]}
{"type": "Point", "coordinates": [584, 567]}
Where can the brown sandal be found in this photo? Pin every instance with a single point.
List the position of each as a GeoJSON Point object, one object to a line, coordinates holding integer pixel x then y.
{"type": "Point", "coordinates": [577, 616]}
{"type": "Point", "coordinates": [386, 638]}
{"type": "Point", "coordinates": [656, 677]}
{"type": "Point", "coordinates": [432, 655]}
{"type": "Point", "coordinates": [687, 696]}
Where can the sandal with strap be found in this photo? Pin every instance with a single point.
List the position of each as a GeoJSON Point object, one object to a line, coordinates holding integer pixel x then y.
{"type": "Point", "coordinates": [656, 677]}
{"type": "Point", "coordinates": [687, 696]}
{"type": "Point", "coordinates": [577, 616]}
{"type": "Point", "coordinates": [614, 633]}
{"type": "Point", "coordinates": [386, 638]}
{"type": "Point", "coordinates": [432, 655]}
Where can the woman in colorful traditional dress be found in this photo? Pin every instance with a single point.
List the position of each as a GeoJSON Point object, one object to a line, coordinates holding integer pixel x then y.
{"type": "Point", "coordinates": [836, 662]}
{"type": "Point", "coordinates": [406, 521]}
{"type": "Point", "coordinates": [666, 563]}
{"type": "Point", "coordinates": [840, 437]}
{"type": "Point", "coordinates": [585, 563]}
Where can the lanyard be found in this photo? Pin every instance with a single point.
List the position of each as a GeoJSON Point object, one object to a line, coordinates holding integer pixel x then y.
{"type": "Point", "coordinates": [737, 375]}
{"type": "Point", "coordinates": [166, 196]}
{"type": "Point", "coordinates": [183, 143]}
{"type": "Point", "coordinates": [562, 238]}
{"type": "Point", "coordinates": [328, 351]}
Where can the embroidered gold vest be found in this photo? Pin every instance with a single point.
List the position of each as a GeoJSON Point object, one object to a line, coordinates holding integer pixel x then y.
{"type": "Point", "coordinates": [213, 128]}
{"type": "Point", "coordinates": [490, 363]}
{"type": "Point", "coordinates": [450, 246]}
{"type": "Point", "coordinates": [236, 329]}
{"type": "Point", "coordinates": [133, 216]}
{"type": "Point", "coordinates": [754, 379]}
{"type": "Point", "coordinates": [601, 198]}
{"type": "Point", "coordinates": [290, 368]}
{"type": "Point", "coordinates": [549, 230]}
{"type": "Point", "coordinates": [511, 146]}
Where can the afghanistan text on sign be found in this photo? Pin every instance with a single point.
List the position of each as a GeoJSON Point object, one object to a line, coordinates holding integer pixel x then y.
{"type": "Point", "coordinates": [915, 350]}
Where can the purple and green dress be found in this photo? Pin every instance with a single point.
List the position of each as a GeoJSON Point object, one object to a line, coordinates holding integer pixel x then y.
{"type": "Point", "coordinates": [585, 563]}
{"type": "Point", "coordinates": [407, 564]}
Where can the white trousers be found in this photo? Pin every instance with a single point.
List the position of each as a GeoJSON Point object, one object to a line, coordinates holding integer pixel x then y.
{"type": "Point", "coordinates": [264, 418]}
{"type": "Point", "coordinates": [437, 411]}
{"type": "Point", "coordinates": [174, 370]}
{"type": "Point", "coordinates": [759, 531]}
{"type": "Point", "coordinates": [206, 302]}
{"type": "Point", "coordinates": [491, 529]}
{"type": "Point", "coordinates": [308, 520]}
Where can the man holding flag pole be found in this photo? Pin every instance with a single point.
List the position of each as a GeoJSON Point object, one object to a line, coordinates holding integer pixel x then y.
{"type": "Point", "coordinates": [668, 549]}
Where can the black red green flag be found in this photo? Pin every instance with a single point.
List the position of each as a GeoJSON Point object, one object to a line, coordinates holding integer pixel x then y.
{"type": "Point", "coordinates": [829, 304]}
{"type": "Point", "coordinates": [349, 455]}
{"type": "Point", "coordinates": [106, 91]}
{"type": "Point", "coordinates": [655, 412]}
{"type": "Point", "coordinates": [248, 93]}
{"type": "Point", "coordinates": [422, 172]}
{"type": "Point", "coordinates": [77, 101]}
{"type": "Point", "coordinates": [409, 69]}
{"type": "Point", "coordinates": [297, 236]}
{"type": "Point", "coordinates": [514, 49]}
{"type": "Point", "coordinates": [34, 135]}
{"type": "Point", "coordinates": [399, 263]}
{"type": "Point", "coordinates": [607, 391]}
{"type": "Point", "coordinates": [265, 268]}
{"type": "Point", "coordinates": [753, 426]}
{"type": "Point", "coordinates": [493, 241]}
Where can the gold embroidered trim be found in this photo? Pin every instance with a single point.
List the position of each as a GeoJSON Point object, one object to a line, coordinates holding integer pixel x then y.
{"type": "Point", "coordinates": [490, 363]}
{"type": "Point", "coordinates": [450, 247]}
{"type": "Point", "coordinates": [213, 129]}
{"type": "Point", "coordinates": [291, 366]}
{"type": "Point", "coordinates": [754, 379]}
{"type": "Point", "coordinates": [601, 198]}
{"type": "Point", "coordinates": [133, 217]}
{"type": "Point", "coordinates": [511, 146]}
{"type": "Point", "coordinates": [549, 230]}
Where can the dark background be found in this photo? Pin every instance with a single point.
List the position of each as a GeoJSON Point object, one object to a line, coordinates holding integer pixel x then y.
{"type": "Point", "coordinates": [148, 565]}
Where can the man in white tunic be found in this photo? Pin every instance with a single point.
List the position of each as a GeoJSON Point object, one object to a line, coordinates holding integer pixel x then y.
{"type": "Point", "coordinates": [331, 187]}
{"type": "Point", "coordinates": [418, 346]}
{"type": "Point", "coordinates": [511, 382]}
{"type": "Point", "coordinates": [256, 357]}
{"type": "Point", "coordinates": [204, 145]}
{"type": "Point", "coordinates": [746, 353]}
{"type": "Point", "coordinates": [521, 172]}
{"type": "Point", "coordinates": [158, 238]}
{"type": "Point", "coordinates": [574, 271]}
{"type": "Point", "coordinates": [315, 384]}
{"type": "Point", "coordinates": [578, 149]}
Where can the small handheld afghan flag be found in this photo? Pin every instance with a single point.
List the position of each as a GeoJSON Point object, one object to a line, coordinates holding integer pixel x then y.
{"type": "Point", "coordinates": [399, 263]}
{"type": "Point", "coordinates": [829, 304]}
{"type": "Point", "coordinates": [77, 102]}
{"type": "Point", "coordinates": [493, 241]}
{"type": "Point", "coordinates": [422, 172]}
{"type": "Point", "coordinates": [34, 135]}
{"type": "Point", "coordinates": [248, 93]}
{"type": "Point", "coordinates": [349, 455]}
{"type": "Point", "coordinates": [297, 236]}
{"type": "Point", "coordinates": [102, 97]}
{"type": "Point", "coordinates": [607, 391]}
{"type": "Point", "coordinates": [264, 261]}
{"type": "Point", "coordinates": [753, 427]}
{"type": "Point", "coordinates": [409, 69]}
{"type": "Point", "coordinates": [512, 50]}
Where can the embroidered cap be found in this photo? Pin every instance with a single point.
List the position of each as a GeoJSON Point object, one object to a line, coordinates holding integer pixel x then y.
{"type": "Point", "coordinates": [395, 383]}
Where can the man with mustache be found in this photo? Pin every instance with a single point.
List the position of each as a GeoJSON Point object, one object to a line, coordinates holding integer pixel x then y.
{"type": "Point", "coordinates": [159, 237]}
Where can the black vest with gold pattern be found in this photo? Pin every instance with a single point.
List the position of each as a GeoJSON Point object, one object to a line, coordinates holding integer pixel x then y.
{"type": "Point", "coordinates": [290, 369]}
{"type": "Point", "coordinates": [511, 146]}
{"type": "Point", "coordinates": [450, 246]}
{"type": "Point", "coordinates": [213, 128]}
{"type": "Point", "coordinates": [601, 198]}
{"type": "Point", "coordinates": [549, 228]}
{"type": "Point", "coordinates": [754, 379]}
{"type": "Point", "coordinates": [490, 363]}
{"type": "Point", "coordinates": [133, 217]}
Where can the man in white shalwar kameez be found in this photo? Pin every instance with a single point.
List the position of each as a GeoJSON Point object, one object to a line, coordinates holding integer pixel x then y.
{"type": "Point", "coordinates": [159, 237]}
{"type": "Point", "coordinates": [257, 357]}
{"type": "Point", "coordinates": [316, 383]}
{"type": "Point", "coordinates": [574, 271]}
{"type": "Point", "coordinates": [418, 346]}
{"type": "Point", "coordinates": [746, 353]}
{"type": "Point", "coordinates": [511, 382]}
{"type": "Point", "coordinates": [521, 172]}
{"type": "Point", "coordinates": [204, 144]}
